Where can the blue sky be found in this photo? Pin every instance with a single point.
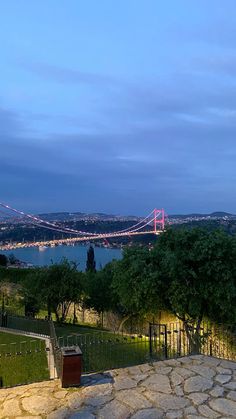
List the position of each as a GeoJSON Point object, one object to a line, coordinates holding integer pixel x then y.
{"type": "Point", "coordinates": [118, 107]}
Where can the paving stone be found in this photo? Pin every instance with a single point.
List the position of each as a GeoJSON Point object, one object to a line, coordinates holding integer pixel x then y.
{"type": "Point", "coordinates": [134, 370]}
{"type": "Point", "coordinates": [148, 414]}
{"type": "Point", "coordinates": [217, 391]}
{"type": "Point", "coordinates": [228, 364]}
{"type": "Point", "coordinates": [39, 404]}
{"type": "Point", "coordinates": [224, 406]}
{"type": "Point", "coordinates": [163, 370]}
{"type": "Point", "coordinates": [172, 362]}
{"type": "Point", "coordinates": [204, 410]}
{"type": "Point", "coordinates": [184, 372]}
{"type": "Point", "coordinates": [202, 370]}
{"type": "Point", "coordinates": [232, 395]}
{"type": "Point", "coordinates": [221, 370]}
{"type": "Point", "coordinates": [195, 417]}
{"type": "Point", "coordinates": [62, 413]}
{"type": "Point", "coordinates": [176, 379]}
{"type": "Point", "coordinates": [97, 401]}
{"type": "Point", "coordinates": [97, 390]}
{"type": "Point", "coordinates": [133, 399]}
{"type": "Point", "coordinates": [174, 415]}
{"type": "Point", "coordinates": [145, 368]}
{"type": "Point", "coordinates": [210, 361]}
{"type": "Point", "coordinates": [167, 402]}
{"type": "Point", "coordinates": [114, 410]}
{"type": "Point", "coordinates": [190, 410]}
{"type": "Point", "coordinates": [198, 398]}
{"type": "Point", "coordinates": [61, 394]}
{"type": "Point", "coordinates": [179, 391]}
{"type": "Point", "coordinates": [157, 382]}
{"type": "Point", "coordinates": [74, 400]}
{"type": "Point", "coordinates": [195, 384]}
{"type": "Point", "coordinates": [139, 377]}
{"type": "Point", "coordinates": [28, 417]}
{"type": "Point", "coordinates": [10, 408]}
{"type": "Point", "coordinates": [197, 357]}
{"type": "Point", "coordinates": [124, 383]}
{"type": "Point", "coordinates": [185, 360]}
{"type": "Point", "coordinates": [231, 385]}
{"type": "Point", "coordinates": [83, 414]}
{"type": "Point", "coordinates": [223, 378]}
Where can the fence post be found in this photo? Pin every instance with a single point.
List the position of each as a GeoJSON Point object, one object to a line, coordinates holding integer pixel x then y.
{"type": "Point", "coordinates": [179, 342]}
{"type": "Point", "coordinates": [150, 340]}
{"type": "Point", "coordinates": [165, 348]}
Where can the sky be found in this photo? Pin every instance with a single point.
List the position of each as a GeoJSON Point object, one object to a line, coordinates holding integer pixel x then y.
{"type": "Point", "coordinates": [118, 106]}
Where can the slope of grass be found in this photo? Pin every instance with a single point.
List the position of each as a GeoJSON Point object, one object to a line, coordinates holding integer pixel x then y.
{"type": "Point", "coordinates": [22, 360]}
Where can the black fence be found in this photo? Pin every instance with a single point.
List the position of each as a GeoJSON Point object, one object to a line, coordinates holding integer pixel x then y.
{"type": "Point", "coordinates": [107, 350]}
{"type": "Point", "coordinates": [104, 350]}
{"type": "Point", "coordinates": [26, 324]}
{"type": "Point", "coordinates": [177, 341]}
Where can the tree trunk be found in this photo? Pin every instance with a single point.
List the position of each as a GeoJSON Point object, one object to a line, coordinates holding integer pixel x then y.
{"type": "Point", "coordinates": [74, 315]}
{"type": "Point", "coordinates": [123, 322]}
{"type": "Point", "coordinates": [194, 337]}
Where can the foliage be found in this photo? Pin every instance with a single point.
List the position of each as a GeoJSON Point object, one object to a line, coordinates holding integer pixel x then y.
{"type": "Point", "coordinates": [57, 286]}
{"type": "Point", "coordinates": [98, 289]}
{"type": "Point", "coordinates": [195, 274]}
{"type": "Point", "coordinates": [131, 281]}
{"type": "Point", "coordinates": [191, 273]}
{"type": "Point", "coordinates": [16, 275]}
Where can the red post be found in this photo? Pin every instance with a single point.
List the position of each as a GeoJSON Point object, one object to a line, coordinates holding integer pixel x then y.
{"type": "Point", "coordinates": [163, 219]}
{"type": "Point", "coordinates": [155, 220]}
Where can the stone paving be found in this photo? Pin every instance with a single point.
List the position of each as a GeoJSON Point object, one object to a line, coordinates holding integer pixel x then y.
{"type": "Point", "coordinates": [190, 388]}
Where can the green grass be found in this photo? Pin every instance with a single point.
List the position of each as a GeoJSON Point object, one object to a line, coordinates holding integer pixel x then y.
{"type": "Point", "coordinates": [103, 350]}
{"type": "Point", "coordinates": [23, 359]}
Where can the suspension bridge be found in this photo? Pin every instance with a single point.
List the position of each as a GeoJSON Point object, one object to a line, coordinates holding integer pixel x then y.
{"type": "Point", "coordinates": [153, 223]}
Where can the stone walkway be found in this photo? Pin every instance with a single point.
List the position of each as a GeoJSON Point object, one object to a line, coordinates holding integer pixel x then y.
{"type": "Point", "coordinates": [191, 387]}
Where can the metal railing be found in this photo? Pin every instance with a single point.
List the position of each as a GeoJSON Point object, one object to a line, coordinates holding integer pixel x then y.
{"type": "Point", "coordinates": [104, 350]}
{"type": "Point", "coordinates": [26, 324]}
{"type": "Point", "coordinates": [177, 341]}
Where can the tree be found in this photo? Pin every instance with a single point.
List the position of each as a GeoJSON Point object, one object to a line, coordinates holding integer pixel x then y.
{"type": "Point", "coordinates": [3, 260]}
{"type": "Point", "coordinates": [194, 275]}
{"type": "Point", "coordinates": [191, 273]}
{"type": "Point", "coordinates": [56, 286]}
{"type": "Point", "coordinates": [91, 263]}
{"type": "Point", "coordinates": [132, 284]}
{"type": "Point", "coordinates": [99, 293]}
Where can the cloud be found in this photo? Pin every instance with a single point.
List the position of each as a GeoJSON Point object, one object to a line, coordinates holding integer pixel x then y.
{"type": "Point", "coordinates": [65, 75]}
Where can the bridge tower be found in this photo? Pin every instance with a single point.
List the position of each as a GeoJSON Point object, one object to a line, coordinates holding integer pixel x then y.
{"type": "Point", "coordinates": [157, 220]}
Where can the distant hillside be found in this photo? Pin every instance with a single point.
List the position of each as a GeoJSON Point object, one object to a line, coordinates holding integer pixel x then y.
{"type": "Point", "coordinates": [77, 216]}
{"type": "Point", "coordinates": [218, 214]}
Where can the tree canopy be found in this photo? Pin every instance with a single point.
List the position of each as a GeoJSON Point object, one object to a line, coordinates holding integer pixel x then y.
{"type": "Point", "coordinates": [57, 286]}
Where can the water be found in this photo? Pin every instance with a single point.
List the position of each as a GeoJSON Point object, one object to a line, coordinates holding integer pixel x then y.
{"type": "Point", "coordinates": [76, 254]}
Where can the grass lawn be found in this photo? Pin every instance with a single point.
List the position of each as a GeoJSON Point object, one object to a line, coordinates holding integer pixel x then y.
{"type": "Point", "coordinates": [23, 359]}
{"type": "Point", "coordinates": [104, 350]}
